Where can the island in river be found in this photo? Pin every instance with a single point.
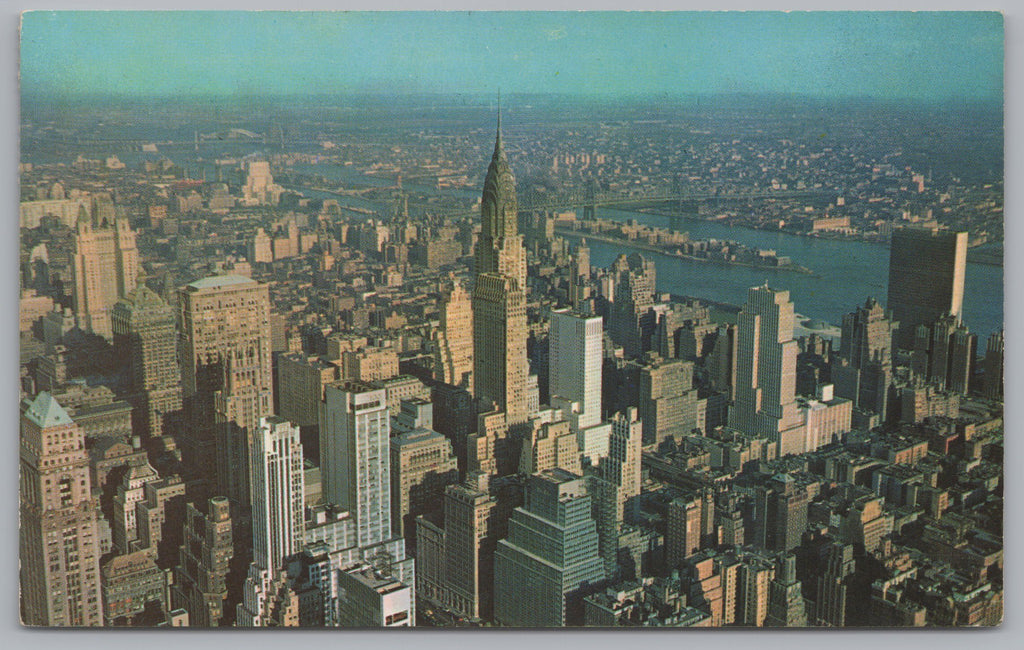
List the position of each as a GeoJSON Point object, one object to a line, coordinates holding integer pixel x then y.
{"type": "Point", "coordinates": [676, 244]}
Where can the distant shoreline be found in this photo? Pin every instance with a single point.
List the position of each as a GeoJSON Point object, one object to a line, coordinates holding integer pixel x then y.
{"type": "Point", "coordinates": [974, 255]}
{"type": "Point", "coordinates": [790, 268]}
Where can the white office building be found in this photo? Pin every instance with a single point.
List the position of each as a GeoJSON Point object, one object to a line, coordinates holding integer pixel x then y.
{"type": "Point", "coordinates": [575, 366]}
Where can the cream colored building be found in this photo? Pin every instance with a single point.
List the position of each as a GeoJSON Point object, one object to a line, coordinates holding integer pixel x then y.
{"type": "Point", "coordinates": [105, 265]}
{"type": "Point", "coordinates": [454, 339]}
{"type": "Point", "coordinates": [226, 374]}
{"type": "Point", "coordinates": [500, 366]}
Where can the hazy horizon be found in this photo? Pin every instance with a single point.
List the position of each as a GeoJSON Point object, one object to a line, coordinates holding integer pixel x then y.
{"type": "Point", "coordinates": [888, 56]}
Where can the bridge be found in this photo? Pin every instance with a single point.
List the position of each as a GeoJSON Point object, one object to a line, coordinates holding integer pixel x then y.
{"type": "Point", "coordinates": [586, 200]}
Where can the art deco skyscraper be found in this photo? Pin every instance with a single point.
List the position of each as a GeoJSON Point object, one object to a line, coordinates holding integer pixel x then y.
{"type": "Point", "coordinates": [926, 278]}
{"type": "Point", "coordinates": [993, 384]}
{"type": "Point", "coordinates": [455, 339]}
{"type": "Point", "coordinates": [765, 402]}
{"type": "Point", "coordinates": [864, 371]}
{"type": "Point", "coordinates": [226, 376]}
{"type": "Point", "coordinates": [59, 540]}
{"type": "Point", "coordinates": [634, 279]}
{"type": "Point", "coordinates": [201, 576]}
{"type": "Point", "coordinates": [500, 366]}
{"type": "Point", "coordinates": [145, 333]}
{"type": "Point", "coordinates": [278, 488]}
{"type": "Point", "coordinates": [104, 268]}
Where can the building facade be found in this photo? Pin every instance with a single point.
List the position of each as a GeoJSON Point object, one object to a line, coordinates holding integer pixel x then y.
{"type": "Point", "coordinates": [59, 539]}
{"type": "Point", "coordinates": [105, 268]}
{"type": "Point", "coordinates": [146, 337]}
{"type": "Point", "coordinates": [575, 365]}
{"type": "Point", "coordinates": [227, 378]}
{"type": "Point", "coordinates": [765, 400]}
{"type": "Point", "coordinates": [550, 560]}
{"type": "Point", "coordinates": [926, 278]}
{"type": "Point", "coordinates": [500, 365]}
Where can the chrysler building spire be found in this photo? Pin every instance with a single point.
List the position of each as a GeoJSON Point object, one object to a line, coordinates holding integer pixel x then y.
{"type": "Point", "coordinates": [499, 248]}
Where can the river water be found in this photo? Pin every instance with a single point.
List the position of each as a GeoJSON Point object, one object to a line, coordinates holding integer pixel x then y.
{"type": "Point", "coordinates": [845, 272]}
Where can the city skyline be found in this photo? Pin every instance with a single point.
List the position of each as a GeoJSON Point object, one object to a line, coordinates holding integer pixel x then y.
{"type": "Point", "coordinates": [934, 56]}
{"type": "Point", "coordinates": [317, 363]}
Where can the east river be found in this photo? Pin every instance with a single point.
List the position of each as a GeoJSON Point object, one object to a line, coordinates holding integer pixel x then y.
{"type": "Point", "coordinates": [845, 272]}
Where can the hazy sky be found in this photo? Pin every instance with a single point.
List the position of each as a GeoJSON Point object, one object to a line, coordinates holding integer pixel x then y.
{"type": "Point", "coordinates": [826, 54]}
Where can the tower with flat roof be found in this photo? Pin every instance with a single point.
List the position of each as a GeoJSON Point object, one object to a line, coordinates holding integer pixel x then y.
{"type": "Point", "coordinates": [926, 278]}
{"type": "Point", "coordinates": [226, 376]}
{"type": "Point", "coordinates": [576, 364]}
{"type": "Point", "coordinates": [146, 336]}
{"type": "Point", "coordinates": [550, 559]}
{"type": "Point", "coordinates": [765, 401]}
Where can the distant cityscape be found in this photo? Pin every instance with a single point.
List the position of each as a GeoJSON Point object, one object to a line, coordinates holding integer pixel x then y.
{"type": "Point", "coordinates": [454, 361]}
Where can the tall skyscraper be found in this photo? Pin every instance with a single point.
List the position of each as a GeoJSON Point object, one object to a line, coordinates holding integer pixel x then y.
{"type": "Point", "coordinates": [550, 560]}
{"type": "Point", "coordinates": [926, 278]}
{"type": "Point", "coordinates": [457, 568]}
{"type": "Point", "coordinates": [500, 365]}
{"type": "Point", "coordinates": [622, 465]}
{"type": "Point", "coordinates": [683, 532]}
{"type": "Point", "coordinates": [576, 364]}
{"type": "Point", "coordinates": [356, 474]}
{"type": "Point", "coordinates": [864, 371]}
{"type": "Point", "coordinates": [277, 493]}
{"type": "Point", "coordinates": [422, 465]}
{"type": "Point", "coordinates": [145, 335]}
{"type": "Point", "coordinates": [579, 279]}
{"type": "Point", "coordinates": [722, 363]}
{"type": "Point", "coordinates": [634, 279]}
{"type": "Point", "coordinates": [454, 339]}
{"type": "Point", "coordinates": [278, 488]}
{"type": "Point", "coordinates": [993, 382]}
{"type": "Point", "coordinates": [785, 600]}
{"type": "Point", "coordinates": [226, 376]}
{"type": "Point", "coordinates": [780, 514]}
{"type": "Point", "coordinates": [836, 565]}
{"type": "Point", "coordinates": [201, 576]}
{"type": "Point", "coordinates": [355, 427]}
{"type": "Point", "coordinates": [944, 354]}
{"type": "Point", "coordinates": [105, 264]}
{"type": "Point", "coordinates": [59, 539]}
{"type": "Point", "coordinates": [668, 400]}
{"type": "Point", "coordinates": [765, 401]}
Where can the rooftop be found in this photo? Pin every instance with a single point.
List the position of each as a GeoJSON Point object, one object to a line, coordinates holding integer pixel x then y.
{"type": "Point", "coordinates": [217, 281]}
{"type": "Point", "coordinates": [46, 412]}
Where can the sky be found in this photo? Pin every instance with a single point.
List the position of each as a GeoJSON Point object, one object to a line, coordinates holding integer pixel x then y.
{"type": "Point", "coordinates": [930, 56]}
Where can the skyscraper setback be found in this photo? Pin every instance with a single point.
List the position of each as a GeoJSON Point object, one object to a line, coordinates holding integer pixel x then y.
{"type": "Point", "coordinates": [766, 369]}
{"type": "Point", "coordinates": [500, 367]}
{"type": "Point", "coordinates": [454, 341]}
{"type": "Point", "coordinates": [277, 492]}
{"type": "Point", "coordinates": [145, 334]}
{"type": "Point", "coordinates": [226, 376]}
{"type": "Point", "coordinates": [105, 266]}
{"type": "Point", "coordinates": [864, 371]}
